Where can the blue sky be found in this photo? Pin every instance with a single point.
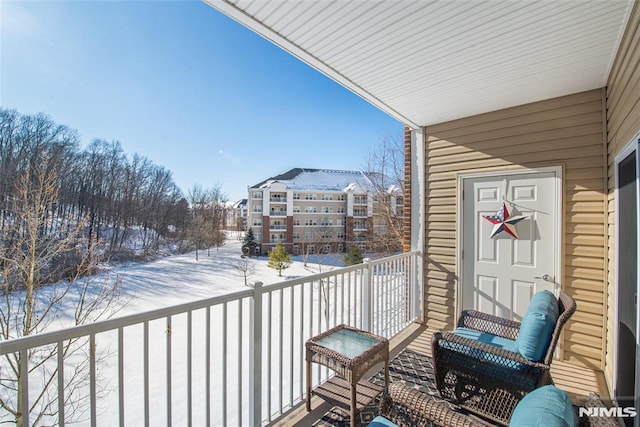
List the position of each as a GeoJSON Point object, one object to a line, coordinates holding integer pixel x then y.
{"type": "Point", "coordinates": [183, 85]}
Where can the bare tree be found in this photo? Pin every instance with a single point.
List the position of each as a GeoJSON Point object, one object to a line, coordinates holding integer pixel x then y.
{"type": "Point", "coordinates": [45, 269]}
{"type": "Point", "coordinates": [217, 213]}
{"type": "Point", "coordinates": [198, 229]}
{"type": "Point", "coordinates": [319, 234]}
{"type": "Point", "coordinates": [246, 267]}
{"type": "Point", "coordinates": [207, 215]}
{"type": "Point", "coordinates": [385, 170]}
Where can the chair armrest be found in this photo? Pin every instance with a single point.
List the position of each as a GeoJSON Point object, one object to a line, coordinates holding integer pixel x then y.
{"type": "Point", "coordinates": [479, 349]}
{"type": "Point", "coordinates": [484, 322]}
{"type": "Point", "coordinates": [409, 407]}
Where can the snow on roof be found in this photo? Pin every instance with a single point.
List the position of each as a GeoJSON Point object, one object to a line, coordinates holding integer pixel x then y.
{"type": "Point", "coordinates": [320, 180]}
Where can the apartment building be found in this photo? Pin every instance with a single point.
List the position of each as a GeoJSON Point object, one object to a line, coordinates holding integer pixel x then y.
{"type": "Point", "coordinates": [236, 215]}
{"type": "Point", "coordinates": [323, 211]}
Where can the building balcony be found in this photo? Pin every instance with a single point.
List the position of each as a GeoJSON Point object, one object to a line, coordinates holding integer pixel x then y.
{"type": "Point", "coordinates": [278, 199]}
{"type": "Point", "coordinates": [277, 227]}
{"type": "Point", "coordinates": [239, 359]}
{"type": "Point", "coordinates": [277, 213]}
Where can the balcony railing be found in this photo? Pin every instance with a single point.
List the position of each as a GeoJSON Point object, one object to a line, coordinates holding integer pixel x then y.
{"type": "Point", "coordinates": [236, 359]}
{"type": "Point", "coordinates": [277, 227]}
{"type": "Point", "coordinates": [277, 213]}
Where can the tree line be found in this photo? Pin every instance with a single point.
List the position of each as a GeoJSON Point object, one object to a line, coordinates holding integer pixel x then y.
{"type": "Point", "coordinates": [129, 204]}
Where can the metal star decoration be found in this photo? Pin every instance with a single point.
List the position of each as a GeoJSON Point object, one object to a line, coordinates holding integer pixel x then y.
{"type": "Point", "coordinates": [503, 221]}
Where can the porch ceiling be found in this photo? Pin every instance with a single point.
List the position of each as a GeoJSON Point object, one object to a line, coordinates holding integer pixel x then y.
{"type": "Point", "coordinates": [425, 62]}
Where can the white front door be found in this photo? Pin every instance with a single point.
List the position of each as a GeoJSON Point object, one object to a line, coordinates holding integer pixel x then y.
{"type": "Point", "coordinates": [501, 273]}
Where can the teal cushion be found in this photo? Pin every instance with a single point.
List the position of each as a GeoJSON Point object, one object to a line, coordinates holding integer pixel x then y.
{"type": "Point", "coordinates": [487, 338]}
{"type": "Point", "coordinates": [482, 355]}
{"type": "Point", "coordinates": [544, 301]}
{"type": "Point", "coordinates": [546, 406]}
{"type": "Point", "coordinates": [380, 421]}
{"type": "Point", "coordinates": [537, 326]}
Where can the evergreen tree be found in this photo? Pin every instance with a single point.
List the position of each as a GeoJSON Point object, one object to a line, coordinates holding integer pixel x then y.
{"type": "Point", "coordinates": [249, 243]}
{"type": "Point", "coordinates": [279, 258]}
{"type": "Point", "coordinates": [353, 256]}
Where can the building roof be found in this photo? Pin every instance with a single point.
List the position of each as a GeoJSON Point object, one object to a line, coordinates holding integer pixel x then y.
{"type": "Point", "coordinates": [427, 62]}
{"type": "Point", "coordinates": [319, 180]}
{"type": "Point", "coordinates": [242, 203]}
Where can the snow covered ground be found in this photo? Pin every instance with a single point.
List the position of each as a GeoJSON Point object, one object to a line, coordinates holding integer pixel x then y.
{"type": "Point", "coordinates": [180, 278]}
{"type": "Point", "coordinates": [168, 282]}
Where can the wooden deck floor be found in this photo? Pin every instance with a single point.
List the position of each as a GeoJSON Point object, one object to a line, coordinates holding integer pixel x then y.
{"type": "Point", "coordinates": [577, 381]}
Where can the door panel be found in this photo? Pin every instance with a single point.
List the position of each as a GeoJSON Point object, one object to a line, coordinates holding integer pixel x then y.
{"type": "Point", "coordinates": [627, 216]}
{"type": "Point", "coordinates": [500, 274]}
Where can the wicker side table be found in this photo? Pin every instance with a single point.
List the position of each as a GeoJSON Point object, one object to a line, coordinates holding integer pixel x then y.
{"type": "Point", "coordinates": [350, 353]}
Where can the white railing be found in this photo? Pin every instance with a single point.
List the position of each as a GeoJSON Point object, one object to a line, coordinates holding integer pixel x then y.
{"type": "Point", "coordinates": [236, 359]}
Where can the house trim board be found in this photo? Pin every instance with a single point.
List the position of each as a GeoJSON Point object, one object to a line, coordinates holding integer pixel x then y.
{"type": "Point", "coordinates": [632, 146]}
{"type": "Point", "coordinates": [418, 215]}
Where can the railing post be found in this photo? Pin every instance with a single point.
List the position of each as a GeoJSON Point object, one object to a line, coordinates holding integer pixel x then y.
{"type": "Point", "coordinates": [418, 287]}
{"type": "Point", "coordinates": [255, 356]}
{"type": "Point", "coordinates": [367, 295]}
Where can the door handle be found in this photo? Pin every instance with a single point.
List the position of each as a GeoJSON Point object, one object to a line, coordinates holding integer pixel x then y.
{"type": "Point", "coordinates": [544, 277]}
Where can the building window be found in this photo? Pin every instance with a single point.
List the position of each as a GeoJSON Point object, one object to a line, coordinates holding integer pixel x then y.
{"type": "Point", "coordinates": [359, 225]}
{"type": "Point", "coordinates": [310, 196]}
{"type": "Point", "coordinates": [360, 200]}
{"type": "Point", "coordinates": [296, 235]}
{"type": "Point", "coordinates": [326, 249]}
{"type": "Point", "coordinates": [257, 223]}
{"type": "Point", "coordinates": [296, 249]}
{"type": "Point", "coordinates": [275, 238]}
{"type": "Point", "coordinates": [279, 211]}
{"type": "Point", "coordinates": [326, 209]}
{"type": "Point", "coordinates": [296, 209]}
{"type": "Point", "coordinates": [311, 222]}
{"type": "Point", "coordinates": [296, 196]}
{"type": "Point", "coordinates": [257, 195]}
{"type": "Point", "coordinates": [296, 222]}
{"type": "Point", "coordinates": [341, 197]}
{"type": "Point", "coordinates": [310, 209]}
{"type": "Point", "coordinates": [340, 235]}
{"type": "Point", "coordinates": [340, 210]}
{"type": "Point", "coordinates": [257, 208]}
{"type": "Point", "coordinates": [327, 197]}
{"type": "Point", "coordinates": [340, 247]}
{"type": "Point", "coordinates": [339, 222]}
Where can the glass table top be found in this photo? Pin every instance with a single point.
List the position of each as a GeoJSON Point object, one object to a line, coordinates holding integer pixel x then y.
{"type": "Point", "coordinates": [347, 342]}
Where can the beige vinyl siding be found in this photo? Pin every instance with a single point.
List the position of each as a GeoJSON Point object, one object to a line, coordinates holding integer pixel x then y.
{"type": "Point", "coordinates": [566, 131]}
{"type": "Point", "coordinates": [623, 123]}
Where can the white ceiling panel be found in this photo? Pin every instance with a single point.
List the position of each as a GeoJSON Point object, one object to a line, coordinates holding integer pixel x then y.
{"type": "Point", "coordinates": [424, 62]}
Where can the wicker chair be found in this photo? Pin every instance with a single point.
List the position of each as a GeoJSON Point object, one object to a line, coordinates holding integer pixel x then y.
{"type": "Point", "coordinates": [408, 407]}
{"type": "Point", "coordinates": [488, 380]}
